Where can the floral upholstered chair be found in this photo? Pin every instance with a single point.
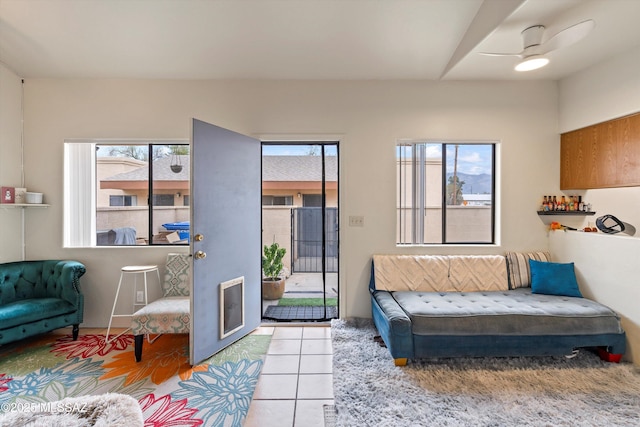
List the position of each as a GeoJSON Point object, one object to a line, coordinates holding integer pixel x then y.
{"type": "Point", "coordinates": [169, 314]}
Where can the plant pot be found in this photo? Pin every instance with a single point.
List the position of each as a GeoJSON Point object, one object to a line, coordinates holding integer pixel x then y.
{"type": "Point", "coordinates": [272, 289]}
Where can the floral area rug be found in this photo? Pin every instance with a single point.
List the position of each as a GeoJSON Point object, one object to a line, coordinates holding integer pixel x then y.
{"type": "Point", "coordinates": [170, 392]}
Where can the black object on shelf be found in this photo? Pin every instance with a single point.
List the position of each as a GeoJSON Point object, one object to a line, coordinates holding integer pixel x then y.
{"type": "Point", "coordinates": [578, 213]}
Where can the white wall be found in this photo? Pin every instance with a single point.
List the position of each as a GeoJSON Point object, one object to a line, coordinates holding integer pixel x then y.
{"type": "Point", "coordinates": [608, 265]}
{"type": "Point", "coordinates": [368, 117]}
{"type": "Point", "coordinates": [607, 270]}
{"type": "Point", "coordinates": [10, 161]}
{"type": "Point", "coordinates": [603, 92]}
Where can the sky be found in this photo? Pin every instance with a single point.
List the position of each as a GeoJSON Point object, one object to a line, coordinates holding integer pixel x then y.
{"type": "Point", "coordinates": [473, 159]}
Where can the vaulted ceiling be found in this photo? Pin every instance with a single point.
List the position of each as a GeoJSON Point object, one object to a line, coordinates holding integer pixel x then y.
{"type": "Point", "coordinates": [303, 39]}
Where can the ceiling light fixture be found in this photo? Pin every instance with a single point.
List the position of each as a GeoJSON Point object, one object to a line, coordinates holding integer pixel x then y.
{"type": "Point", "coordinates": [532, 62]}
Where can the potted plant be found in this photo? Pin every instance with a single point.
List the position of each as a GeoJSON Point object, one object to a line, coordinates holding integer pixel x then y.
{"type": "Point", "coordinates": [272, 282]}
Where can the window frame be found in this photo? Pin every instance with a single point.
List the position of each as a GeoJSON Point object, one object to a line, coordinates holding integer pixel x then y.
{"type": "Point", "coordinates": [402, 180]}
{"type": "Point", "coordinates": [80, 191]}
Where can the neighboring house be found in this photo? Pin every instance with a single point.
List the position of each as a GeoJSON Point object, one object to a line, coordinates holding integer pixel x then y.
{"type": "Point", "coordinates": [130, 187]}
{"type": "Point", "coordinates": [292, 182]}
{"type": "Point", "coordinates": [287, 181]}
{"type": "Point", "coordinates": [122, 197]}
{"type": "Point", "coordinates": [297, 180]}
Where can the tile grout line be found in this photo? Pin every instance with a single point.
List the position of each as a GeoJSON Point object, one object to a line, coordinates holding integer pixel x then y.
{"type": "Point", "coordinates": [298, 372]}
{"type": "Point", "coordinates": [295, 402]}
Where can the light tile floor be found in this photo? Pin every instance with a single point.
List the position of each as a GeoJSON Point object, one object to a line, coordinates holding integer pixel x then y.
{"type": "Point", "coordinates": [296, 379]}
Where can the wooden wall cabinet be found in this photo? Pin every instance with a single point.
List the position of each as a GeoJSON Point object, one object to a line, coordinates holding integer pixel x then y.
{"type": "Point", "coordinates": [604, 155]}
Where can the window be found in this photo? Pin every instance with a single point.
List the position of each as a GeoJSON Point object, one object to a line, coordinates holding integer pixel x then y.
{"type": "Point", "coordinates": [123, 201]}
{"type": "Point", "coordinates": [163, 200]}
{"type": "Point", "coordinates": [312, 200]}
{"type": "Point", "coordinates": [445, 193]}
{"type": "Point", "coordinates": [277, 200]}
{"type": "Point", "coordinates": [107, 188]}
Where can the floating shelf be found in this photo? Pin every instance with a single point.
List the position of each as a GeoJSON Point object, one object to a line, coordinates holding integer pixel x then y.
{"type": "Point", "coordinates": [566, 213]}
{"type": "Point", "coordinates": [24, 205]}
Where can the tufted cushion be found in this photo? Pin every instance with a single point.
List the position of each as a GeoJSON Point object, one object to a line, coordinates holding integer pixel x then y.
{"type": "Point", "coordinates": [176, 276]}
{"type": "Point", "coordinates": [167, 315]}
{"type": "Point", "coordinates": [516, 312]}
{"type": "Point", "coordinates": [30, 310]}
{"type": "Point", "coordinates": [518, 266]}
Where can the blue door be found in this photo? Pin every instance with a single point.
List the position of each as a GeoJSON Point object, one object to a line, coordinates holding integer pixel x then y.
{"type": "Point", "coordinates": [225, 238]}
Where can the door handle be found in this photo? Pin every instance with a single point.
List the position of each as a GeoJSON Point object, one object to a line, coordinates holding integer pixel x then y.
{"type": "Point", "coordinates": [200, 255]}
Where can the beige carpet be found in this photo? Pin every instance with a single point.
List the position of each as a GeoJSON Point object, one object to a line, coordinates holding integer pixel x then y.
{"type": "Point", "coordinates": [520, 391]}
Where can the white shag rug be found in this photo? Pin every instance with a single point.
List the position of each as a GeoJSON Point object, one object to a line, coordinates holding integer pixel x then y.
{"type": "Point", "coordinates": [520, 391]}
{"type": "Point", "coordinates": [106, 410]}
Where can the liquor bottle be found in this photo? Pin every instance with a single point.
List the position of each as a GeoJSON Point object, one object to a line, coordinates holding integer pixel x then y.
{"type": "Point", "coordinates": [555, 203]}
{"type": "Point", "coordinates": [563, 204]}
{"type": "Point", "coordinates": [580, 204]}
{"type": "Point", "coordinates": [575, 203]}
{"type": "Point", "coordinates": [545, 204]}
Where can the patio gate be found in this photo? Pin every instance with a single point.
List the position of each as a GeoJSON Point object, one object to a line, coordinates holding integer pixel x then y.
{"type": "Point", "coordinates": [306, 240]}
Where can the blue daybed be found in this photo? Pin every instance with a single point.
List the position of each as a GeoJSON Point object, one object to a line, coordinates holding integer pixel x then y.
{"type": "Point", "coordinates": [468, 306]}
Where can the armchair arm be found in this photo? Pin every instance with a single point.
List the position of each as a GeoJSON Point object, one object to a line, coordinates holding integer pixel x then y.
{"type": "Point", "coordinates": [69, 281]}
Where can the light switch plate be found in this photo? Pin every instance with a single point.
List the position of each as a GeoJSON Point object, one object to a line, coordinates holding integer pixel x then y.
{"type": "Point", "coordinates": [356, 221]}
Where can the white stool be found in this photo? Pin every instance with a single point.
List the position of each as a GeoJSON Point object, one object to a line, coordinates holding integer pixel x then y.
{"type": "Point", "coordinates": [131, 269]}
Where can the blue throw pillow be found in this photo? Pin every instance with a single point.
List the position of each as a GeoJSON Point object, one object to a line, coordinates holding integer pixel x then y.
{"type": "Point", "coordinates": [552, 278]}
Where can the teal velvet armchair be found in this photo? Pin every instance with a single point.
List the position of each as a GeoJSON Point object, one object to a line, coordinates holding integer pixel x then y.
{"type": "Point", "coordinates": [38, 297]}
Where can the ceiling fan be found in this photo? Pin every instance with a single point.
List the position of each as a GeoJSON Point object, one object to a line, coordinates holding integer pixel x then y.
{"type": "Point", "coordinates": [533, 54]}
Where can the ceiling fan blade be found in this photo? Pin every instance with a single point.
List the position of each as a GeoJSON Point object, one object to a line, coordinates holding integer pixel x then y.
{"type": "Point", "coordinates": [501, 54]}
{"type": "Point", "coordinates": [568, 36]}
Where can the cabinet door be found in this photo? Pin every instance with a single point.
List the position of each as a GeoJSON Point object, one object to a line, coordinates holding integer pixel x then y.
{"type": "Point", "coordinates": [605, 155]}
{"type": "Point", "coordinates": [628, 151]}
{"type": "Point", "coordinates": [571, 160]}
{"type": "Point", "coordinates": [604, 152]}
{"type": "Point", "coordinates": [578, 159]}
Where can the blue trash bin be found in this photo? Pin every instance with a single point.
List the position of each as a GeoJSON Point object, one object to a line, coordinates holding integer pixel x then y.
{"type": "Point", "coordinates": [181, 227]}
